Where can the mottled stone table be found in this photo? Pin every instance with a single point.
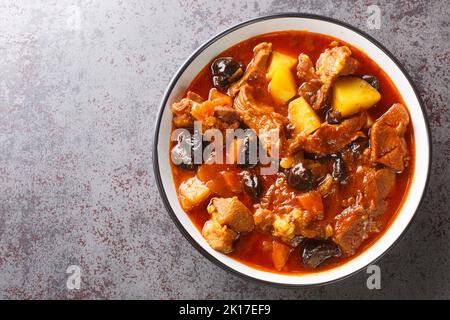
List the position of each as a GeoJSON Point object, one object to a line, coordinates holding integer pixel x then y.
{"type": "Point", "coordinates": [80, 84]}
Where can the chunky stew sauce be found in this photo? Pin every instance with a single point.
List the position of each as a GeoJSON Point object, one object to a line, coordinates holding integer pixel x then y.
{"type": "Point", "coordinates": [346, 152]}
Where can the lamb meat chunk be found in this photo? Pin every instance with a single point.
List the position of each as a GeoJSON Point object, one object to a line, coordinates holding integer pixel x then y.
{"type": "Point", "coordinates": [330, 138]}
{"type": "Point", "coordinates": [305, 69]}
{"type": "Point", "coordinates": [316, 83]}
{"type": "Point", "coordinates": [387, 141]}
{"type": "Point", "coordinates": [260, 118]}
{"type": "Point", "coordinates": [310, 88]}
{"type": "Point", "coordinates": [376, 184]}
{"type": "Point", "coordinates": [226, 114]}
{"type": "Point", "coordinates": [219, 237]}
{"type": "Point", "coordinates": [351, 228]}
{"type": "Point", "coordinates": [181, 110]}
{"type": "Point", "coordinates": [256, 70]}
{"type": "Point", "coordinates": [233, 213]}
{"type": "Point", "coordinates": [264, 219]}
{"type": "Point", "coordinates": [310, 91]}
{"type": "Point", "coordinates": [334, 62]}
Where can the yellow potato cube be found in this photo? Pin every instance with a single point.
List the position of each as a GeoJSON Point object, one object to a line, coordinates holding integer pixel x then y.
{"type": "Point", "coordinates": [280, 59]}
{"type": "Point", "coordinates": [282, 87]}
{"type": "Point", "coordinates": [352, 94]}
{"type": "Point", "coordinates": [193, 192]}
{"type": "Point", "coordinates": [303, 117]}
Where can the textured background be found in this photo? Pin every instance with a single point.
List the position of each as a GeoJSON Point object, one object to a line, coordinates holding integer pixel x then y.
{"type": "Point", "coordinates": [80, 84]}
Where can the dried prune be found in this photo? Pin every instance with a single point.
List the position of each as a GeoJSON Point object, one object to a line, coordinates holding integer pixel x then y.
{"type": "Point", "coordinates": [372, 80]}
{"type": "Point", "coordinates": [316, 251]}
{"type": "Point", "coordinates": [225, 71]}
{"type": "Point", "coordinates": [300, 178]}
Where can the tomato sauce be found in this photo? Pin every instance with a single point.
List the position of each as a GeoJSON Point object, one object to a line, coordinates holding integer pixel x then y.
{"type": "Point", "coordinates": [249, 248]}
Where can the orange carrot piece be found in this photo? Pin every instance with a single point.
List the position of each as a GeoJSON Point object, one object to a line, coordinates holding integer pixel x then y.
{"type": "Point", "coordinates": [232, 180]}
{"type": "Point", "coordinates": [280, 254]}
{"type": "Point", "coordinates": [312, 202]}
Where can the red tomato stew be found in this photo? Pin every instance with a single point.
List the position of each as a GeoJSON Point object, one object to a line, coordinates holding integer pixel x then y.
{"type": "Point", "coordinates": [343, 152]}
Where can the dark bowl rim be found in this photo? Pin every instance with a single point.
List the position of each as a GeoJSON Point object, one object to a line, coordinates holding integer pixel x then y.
{"type": "Point", "coordinates": [191, 58]}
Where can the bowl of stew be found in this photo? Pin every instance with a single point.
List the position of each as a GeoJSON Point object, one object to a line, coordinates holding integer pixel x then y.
{"type": "Point", "coordinates": [292, 149]}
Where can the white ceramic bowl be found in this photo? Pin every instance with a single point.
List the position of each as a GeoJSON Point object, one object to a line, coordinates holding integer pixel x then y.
{"type": "Point", "coordinates": [317, 24]}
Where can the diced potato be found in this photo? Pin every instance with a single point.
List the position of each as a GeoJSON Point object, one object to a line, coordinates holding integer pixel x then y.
{"type": "Point", "coordinates": [193, 192]}
{"type": "Point", "coordinates": [282, 87]}
{"type": "Point", "coordinates": [351, 94]}
{"type": "Point", "coordinates": [303, 117]}
{"type": "Point", "coordinates": [280, 254]}
{"type": "Point", "coordinates": [280, 59]}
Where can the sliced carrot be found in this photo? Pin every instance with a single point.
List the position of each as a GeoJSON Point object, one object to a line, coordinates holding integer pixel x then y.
{"type": "Point", "coordinates": [232, 180]}
{"type": "Point", "coordinates": [280, 254]}
{"type": "Point", "coordinates": [312, 202]}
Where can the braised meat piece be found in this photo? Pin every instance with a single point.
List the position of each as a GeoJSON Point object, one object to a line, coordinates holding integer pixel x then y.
{"type": "Point", "coordinates": [260, 118]}
{"type": "Point", "coordinates": [255, 74]}
{"type": "Point", "coordinates": [330, 138]}
{"type": "Point", "coordinates": [181, 110]}
{"type": "Point", "coordinates": [353, 225]}
{"type": "Point", "coordinates": [387, 139]}
{"type": "Point", "coordinates": [219, 237]}
{"type": "Point", "coordinates": [335, 62]}
{"type": "Point", "coordinates": [376, 186]}
{"type": "Point", "coordinates": [305, 69]}
{"type": "Point", "coordinates": [226, 114]}
{"type": "Point", "coordinates": [231, 212]}
{"type": "Point", "coordinates": [310, 92]}
{"type": "Point", "coordinates": [332, 63]}
{"type": "Point", "coordinates": [229, 216]}
{"type": "Point", "coordinates": [351, 228]}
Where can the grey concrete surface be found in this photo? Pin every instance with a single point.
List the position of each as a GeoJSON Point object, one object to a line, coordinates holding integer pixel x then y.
{"type": "Point", "coordinates": [80, 84]}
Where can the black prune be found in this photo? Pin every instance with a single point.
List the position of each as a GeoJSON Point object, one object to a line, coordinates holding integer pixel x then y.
{"type": "Point", "coordinates": [372, 80]}
{"type": "Point", "coordinates": [300, 178]}
{"type": "Point", "coordinates": [316, 251]}
{"type": "Point", "coordinates": [225, 71]}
